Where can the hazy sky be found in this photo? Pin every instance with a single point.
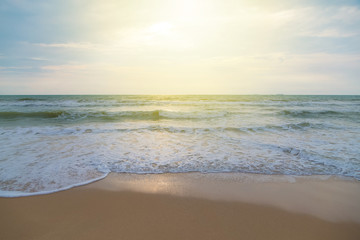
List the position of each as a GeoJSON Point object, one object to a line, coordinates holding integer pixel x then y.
{"type": "Point", "coordinates": [179, 47]}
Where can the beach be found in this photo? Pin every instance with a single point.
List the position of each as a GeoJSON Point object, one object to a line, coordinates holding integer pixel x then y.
{"type": "Point", "coordinates": [150, 120]}
{"type": "Point", "coordinates": [179, 167]}
{"type": "Point", "coordinates": [190, 206]}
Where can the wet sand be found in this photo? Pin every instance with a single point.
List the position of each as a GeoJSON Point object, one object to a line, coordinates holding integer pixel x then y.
{"type": "Point", "coordinates": [189, 206]}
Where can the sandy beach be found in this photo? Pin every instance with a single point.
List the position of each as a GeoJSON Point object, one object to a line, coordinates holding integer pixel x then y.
{"type": "Point", "coordinates": [179, 120]}
{"type": "Point", "coordinates": [189, 206]}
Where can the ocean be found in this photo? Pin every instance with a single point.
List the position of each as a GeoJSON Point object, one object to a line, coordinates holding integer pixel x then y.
{"type": "Point", "coordinates": [52, 143]}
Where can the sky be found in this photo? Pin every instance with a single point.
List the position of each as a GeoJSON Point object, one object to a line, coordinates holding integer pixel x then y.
{"type": "Point", "coordinates": [179, 47]}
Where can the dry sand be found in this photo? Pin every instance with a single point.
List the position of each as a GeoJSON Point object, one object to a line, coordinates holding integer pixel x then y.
{"type": "Point", "coordinates": [189, 206]}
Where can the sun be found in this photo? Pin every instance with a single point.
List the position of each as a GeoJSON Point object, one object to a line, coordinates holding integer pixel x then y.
{"type": "Point", "coordinates": [161, 28]}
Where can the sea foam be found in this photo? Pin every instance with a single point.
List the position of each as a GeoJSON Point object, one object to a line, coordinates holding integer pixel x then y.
{"type": "Point", "coordinates": [64, 141]}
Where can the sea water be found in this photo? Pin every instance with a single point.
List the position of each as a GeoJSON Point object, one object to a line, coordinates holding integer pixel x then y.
{"type": "Point", "coordinates": [51, 143]}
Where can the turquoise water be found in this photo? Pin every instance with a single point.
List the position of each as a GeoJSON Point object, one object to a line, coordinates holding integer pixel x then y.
{"type": "Point", "coordinates": [48, 143]}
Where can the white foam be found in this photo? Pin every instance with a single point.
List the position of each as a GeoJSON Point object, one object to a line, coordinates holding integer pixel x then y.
{"type": "Point", "coordinates": [204, 136]}
{"type": "Point", "coordinates": [10, 194]}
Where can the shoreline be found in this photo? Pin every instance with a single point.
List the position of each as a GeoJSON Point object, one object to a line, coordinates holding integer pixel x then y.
{"type": "Point", "coordinates": [330, 198]}
{"type": "Point", "coordinates": [17, 194]}
{"type": "Point", "coordinates": [250, 188]}
{"type": "Point", "coordinates": [189, 206]}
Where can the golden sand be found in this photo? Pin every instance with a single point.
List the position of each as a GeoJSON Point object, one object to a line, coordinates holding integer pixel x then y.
{"type": "Point", "coordinates": [173, 207]}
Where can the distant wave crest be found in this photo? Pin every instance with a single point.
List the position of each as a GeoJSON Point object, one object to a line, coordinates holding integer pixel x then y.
{"type": "Point", "coordinates": [321, 113]}
{"type": "Point", "coordinates": [111, 116]}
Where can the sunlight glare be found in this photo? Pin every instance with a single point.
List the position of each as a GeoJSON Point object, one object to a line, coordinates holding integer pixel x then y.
{"type": "Point", "coordinates": [162, 28]}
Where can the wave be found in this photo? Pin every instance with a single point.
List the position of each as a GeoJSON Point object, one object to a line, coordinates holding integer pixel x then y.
{"type": "Point", "coordinates": [30, 99]}
{"type": "Point", "coordinates": [108, 129]}
{"type": "Point", "coordinates": [111, 116]}
{"type": "Point", "coordinates": [254, 101]}
{"type": "Point", "coordinates": [155, 115]}
{"type": "Point", "coordinates": [321, 113]}
{"type": "Point", "coordinates": [37, 172]}
{"type": "Point", "coordinates": [45, 114]}
{"type": "Point", "coordinates": [284, 127]}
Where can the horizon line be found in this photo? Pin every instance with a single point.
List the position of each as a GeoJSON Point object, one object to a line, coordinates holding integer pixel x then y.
{"type": "Point", "coordinates": [96, 94]}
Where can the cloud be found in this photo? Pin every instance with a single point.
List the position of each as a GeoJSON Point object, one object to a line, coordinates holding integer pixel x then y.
{"type": "Point", "coordinates": [14, 68]}
{"type": "Point", "coordinates": [38, 59]}
{"type": "Point", "coordinates": [327, 22]}
{"type": "Point", "coordinates": [219, 44]}
{"type": "Point", "coordinates": [330, 33]}
{"type": "Point", "coordinates": [67, 67]}
{"type": "Point", "coordinates": [347, 14]}
{"type": "Point", "coordinates": [77, 45]}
